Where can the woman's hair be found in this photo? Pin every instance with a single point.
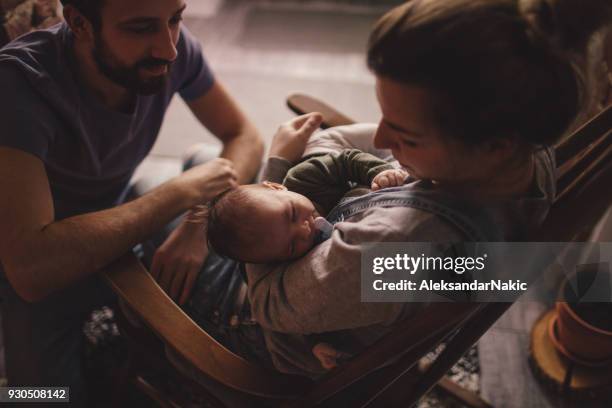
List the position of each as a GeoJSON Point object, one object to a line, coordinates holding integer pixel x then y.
{"type": "Point", "coordinates": [498, 68]}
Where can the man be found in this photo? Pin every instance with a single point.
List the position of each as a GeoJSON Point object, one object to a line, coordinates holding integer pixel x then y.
{"type": "Point", "coordinates": [81, 107]}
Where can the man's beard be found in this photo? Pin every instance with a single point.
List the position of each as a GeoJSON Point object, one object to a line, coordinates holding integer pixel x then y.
{"type": "Point", "coordinates": [127, 77]}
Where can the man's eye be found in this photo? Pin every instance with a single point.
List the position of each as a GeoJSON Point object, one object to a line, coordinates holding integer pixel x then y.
{"type": "Point", "coordinates": [409, 143]}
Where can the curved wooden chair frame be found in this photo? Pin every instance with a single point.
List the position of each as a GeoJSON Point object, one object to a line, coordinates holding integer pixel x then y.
{"type": "Point", "coordinates": [388, 373]}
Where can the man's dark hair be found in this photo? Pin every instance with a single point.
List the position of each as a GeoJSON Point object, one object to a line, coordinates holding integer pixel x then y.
{"type": "Point", "coordinates": [89, 8]}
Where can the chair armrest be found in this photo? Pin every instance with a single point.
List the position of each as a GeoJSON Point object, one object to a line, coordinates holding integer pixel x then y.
{"type": "Point", "coordinates": [301, 104]}
{"type": "Point", "coordinates": [132, 283]}
{"type": "Point", "coordinates": [569, 149]}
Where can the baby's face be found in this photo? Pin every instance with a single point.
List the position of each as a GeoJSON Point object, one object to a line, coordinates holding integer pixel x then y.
{"type": "Point", "coordinates": [284, 222]}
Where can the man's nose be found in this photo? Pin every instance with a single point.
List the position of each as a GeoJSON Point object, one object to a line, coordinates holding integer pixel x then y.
{"type": "Point", "coordinates": [164, 47]}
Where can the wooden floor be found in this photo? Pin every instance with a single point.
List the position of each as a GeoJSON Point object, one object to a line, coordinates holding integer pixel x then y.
{"type": "Point", "coordinates": [506, 379]}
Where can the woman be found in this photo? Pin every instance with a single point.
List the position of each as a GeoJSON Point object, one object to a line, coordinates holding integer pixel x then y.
{"type": "Point", "coordinates": [471, 92]}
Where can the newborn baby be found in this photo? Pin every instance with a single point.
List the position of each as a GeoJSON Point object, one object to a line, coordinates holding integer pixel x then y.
{"type": "Point", "coordinates": [270, 222]}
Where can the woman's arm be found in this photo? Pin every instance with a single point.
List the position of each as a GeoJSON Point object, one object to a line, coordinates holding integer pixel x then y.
{"type": "Point", "coordinates": [316, 293]}
{"type": "Point", "coordinates": [356, 136]}
{"type": "Point", "coordinates": [322, 291]}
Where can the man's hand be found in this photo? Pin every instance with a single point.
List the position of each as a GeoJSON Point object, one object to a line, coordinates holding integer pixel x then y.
{"type": "Point", "coordinates": [177, 262]}
{"type": "Point", "coordinates": [290, 139]}
{"type": "Point", "coordinates": [208, 180]}
{"type": "Point", "coordinates": [389, 178]}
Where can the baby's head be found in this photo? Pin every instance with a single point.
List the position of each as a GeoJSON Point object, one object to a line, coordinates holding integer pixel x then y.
{"type": "Point", "coordinates": [261, 223]}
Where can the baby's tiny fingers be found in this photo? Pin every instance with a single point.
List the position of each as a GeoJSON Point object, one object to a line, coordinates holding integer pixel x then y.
{"type": "Point", "coordinates": [400, 177]}
{"type": "Point", "coordinates": [383, 181]}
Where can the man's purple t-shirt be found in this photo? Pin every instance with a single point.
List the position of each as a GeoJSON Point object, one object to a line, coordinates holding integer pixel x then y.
{"type": "Point", "coordinates": [89, 151]}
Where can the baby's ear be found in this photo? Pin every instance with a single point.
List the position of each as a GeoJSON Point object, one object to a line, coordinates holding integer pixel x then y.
{"type": "Point", "coordinates": [274, 186]}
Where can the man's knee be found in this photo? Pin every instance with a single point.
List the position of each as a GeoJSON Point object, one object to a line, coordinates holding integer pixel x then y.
{"type": "Point", "coordinates": [199, 154]}
{"type": "Point", "coordinates": [157, 175]}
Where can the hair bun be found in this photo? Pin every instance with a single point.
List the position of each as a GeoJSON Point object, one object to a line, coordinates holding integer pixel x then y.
{"type": "Point", "coordinates": [568, 24]}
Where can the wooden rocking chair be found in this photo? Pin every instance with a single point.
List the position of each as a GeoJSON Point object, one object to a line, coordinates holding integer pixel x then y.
{"type": "Point", "coordinates": [584, 195]}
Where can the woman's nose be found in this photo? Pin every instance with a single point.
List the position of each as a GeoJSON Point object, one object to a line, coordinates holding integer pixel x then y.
{"type": "Point", "coordinates": [382, 139]}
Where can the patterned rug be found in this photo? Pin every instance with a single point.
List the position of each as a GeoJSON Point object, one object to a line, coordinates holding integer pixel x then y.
{"type": "Point", "coordinates": [106, 351]}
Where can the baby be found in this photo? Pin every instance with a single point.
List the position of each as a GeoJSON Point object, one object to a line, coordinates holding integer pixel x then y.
{"type": "Point", "coordinates": [272, 222]}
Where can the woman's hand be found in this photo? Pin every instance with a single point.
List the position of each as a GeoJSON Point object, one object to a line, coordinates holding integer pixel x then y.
{"type": "Point", "coordinates": [178, 261]}
{"type": "Point", "coordinates": [389, 178]}
{"type": "Point", "coordinates": [290, 139]}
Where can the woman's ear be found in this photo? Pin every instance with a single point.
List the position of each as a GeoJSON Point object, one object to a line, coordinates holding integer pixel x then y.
{"type": "Point", "coordinates": [502, 147]}
{"type": "Point", "coordinates": [274, 186]}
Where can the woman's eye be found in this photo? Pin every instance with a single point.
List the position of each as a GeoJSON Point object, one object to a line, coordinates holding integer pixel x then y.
{"type": "Point", "coordinates": [409, 143]}
{"type": "Point", "coordinates": [176, 20]}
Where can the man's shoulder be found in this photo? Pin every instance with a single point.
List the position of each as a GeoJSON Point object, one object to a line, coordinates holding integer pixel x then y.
{"type": "Point", "coordinates": [191, 75]}
{"type": "Point", "coordinates": [39, 54]}
{"type": "Point", "coordinates": [186, 47]}
{"type": "Point", "coordinates": [21, 95]}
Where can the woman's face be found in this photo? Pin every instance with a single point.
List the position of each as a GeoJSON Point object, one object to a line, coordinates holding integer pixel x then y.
{"type": "Point", "coordinates": [408, 128]}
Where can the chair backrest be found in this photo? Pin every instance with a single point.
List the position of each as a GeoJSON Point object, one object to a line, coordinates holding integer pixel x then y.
{"type": "Point", "coordinates": [385, 372]}
{"type": "Point", "coordinates": [301, 104]}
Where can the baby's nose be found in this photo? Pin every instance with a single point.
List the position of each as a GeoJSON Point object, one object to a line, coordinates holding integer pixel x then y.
{"type": "Point", "coordinates": [305, 230]}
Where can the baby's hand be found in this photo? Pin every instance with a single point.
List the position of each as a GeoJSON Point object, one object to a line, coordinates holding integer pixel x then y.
{"type": "Point", "coordinates": [328, 356]}
{"type": "Point", "coordinates": [389, 178]}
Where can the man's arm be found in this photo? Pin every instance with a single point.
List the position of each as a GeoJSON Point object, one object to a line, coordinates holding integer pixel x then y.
{"type": "Point", "coordinates": [242, 144]}
{"type": "Point", "coordinates": [41, 255]}
{"type": "Point", "coordinates": [177, 262]}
